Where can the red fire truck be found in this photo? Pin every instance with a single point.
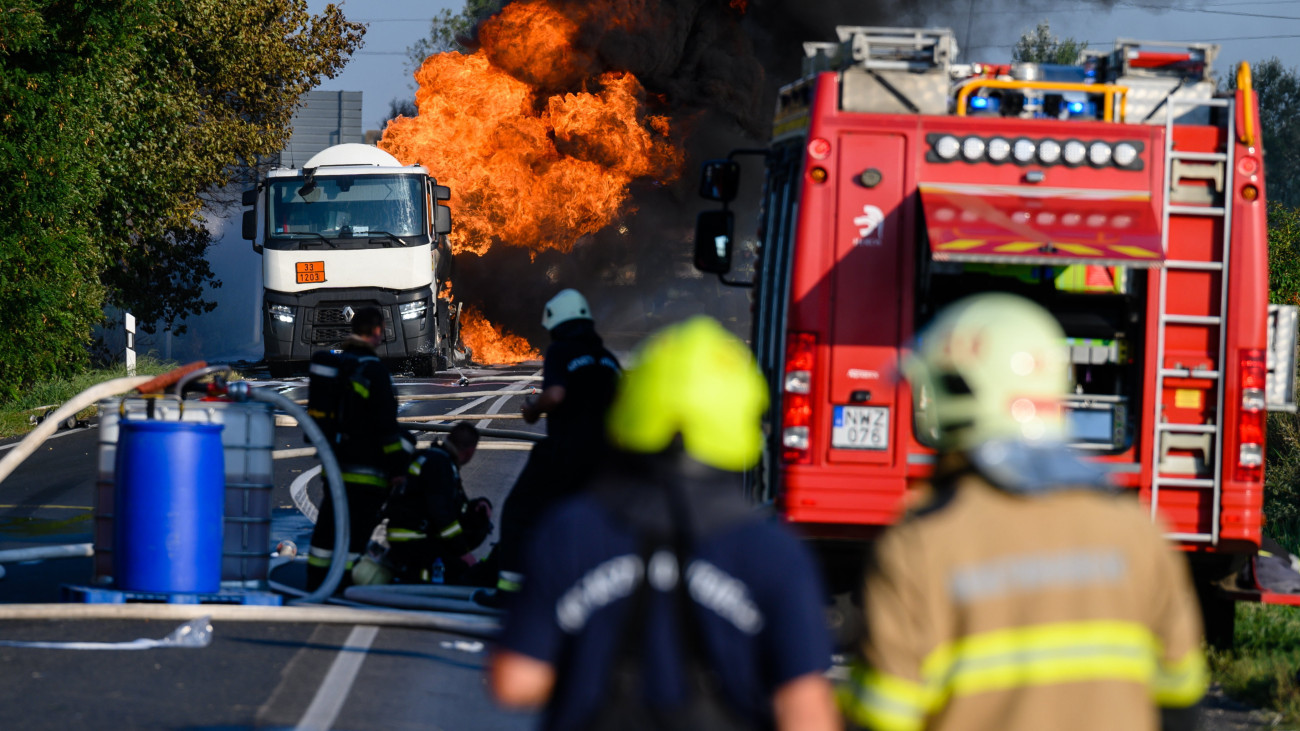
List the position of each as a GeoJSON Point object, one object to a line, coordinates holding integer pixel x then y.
{"type": "Point", "coordinates": [1123, 194]}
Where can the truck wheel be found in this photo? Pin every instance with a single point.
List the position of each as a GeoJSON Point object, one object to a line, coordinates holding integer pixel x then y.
{"type": "Point", "coordinates": [424, 365]}
{"type": "Point", "coordinates": [280, 368]}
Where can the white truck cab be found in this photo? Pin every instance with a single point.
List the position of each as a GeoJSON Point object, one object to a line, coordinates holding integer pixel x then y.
{"type": "Point", "coordinates": [352, 228]}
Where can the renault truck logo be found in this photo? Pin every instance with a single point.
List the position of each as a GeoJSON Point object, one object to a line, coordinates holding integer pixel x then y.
{"type": "Point", "coordinates": [348, 312]}
{"type": "Point", "coordinates": [870, 225]}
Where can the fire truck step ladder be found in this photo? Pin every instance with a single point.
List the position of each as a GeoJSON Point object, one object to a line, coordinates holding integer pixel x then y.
{"type": "Point", "coordinates": [1213, 463]}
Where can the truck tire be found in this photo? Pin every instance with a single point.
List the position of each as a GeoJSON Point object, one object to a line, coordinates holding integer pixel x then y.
{"type": "Point", "coordinates": [281, 368]}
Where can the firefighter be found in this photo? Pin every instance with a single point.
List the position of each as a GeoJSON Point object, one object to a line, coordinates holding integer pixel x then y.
{"type": "Point", "coordinates": [579, 377]}
{"type": "Point", "coordinates": [352, 398]}
{"type": "Point", "coordinates": [428, 518]}
{"type": "Point", "coordinates": [659, 598]}
{"type": "Point", "coordinates": [1023, 593]}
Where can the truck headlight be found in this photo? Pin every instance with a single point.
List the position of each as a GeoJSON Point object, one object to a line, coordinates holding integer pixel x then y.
{"type": "Point", "coordinates": [414, 310]}
{"type": "Point", "coordinates": [282, 313]}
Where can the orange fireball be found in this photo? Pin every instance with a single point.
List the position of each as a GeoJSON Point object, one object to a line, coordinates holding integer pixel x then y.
{"type": "Point", "coordinates": [529, 165]}
{"type": "Point", "coordinates": [491, 344]}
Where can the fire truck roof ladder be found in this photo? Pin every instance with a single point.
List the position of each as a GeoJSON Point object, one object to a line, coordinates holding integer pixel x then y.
{"type": "Point", "coordinates": [889, 49]}
{"type": "Point", "coordinates": [1170, 431]}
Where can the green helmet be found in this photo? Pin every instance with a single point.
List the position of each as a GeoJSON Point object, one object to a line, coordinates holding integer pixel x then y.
{"type": "Point", "coordinates": [696, 380]}
{"type": "Point", "coordinates": [991, 366]}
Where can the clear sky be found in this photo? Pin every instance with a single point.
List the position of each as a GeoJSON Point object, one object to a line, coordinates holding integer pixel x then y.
{"type": "Point", "coordinates": [1247, 30]}
{"type": "Point", "coordinates": [378, 69]}
{"type": "Point", "coordinates": [1250, 30]}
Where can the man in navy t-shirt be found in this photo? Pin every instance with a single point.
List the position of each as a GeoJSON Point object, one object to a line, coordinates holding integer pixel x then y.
{"type": "Point", "coordinates": [662, 560]}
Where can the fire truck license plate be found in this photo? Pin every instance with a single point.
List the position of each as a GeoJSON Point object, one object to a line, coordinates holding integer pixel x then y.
{"type": "Point", "coordinates": [310, 272]}
{"type": "Point", "coordinates": [860, 427]}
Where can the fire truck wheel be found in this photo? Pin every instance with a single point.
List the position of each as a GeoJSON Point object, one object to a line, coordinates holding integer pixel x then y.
{"type": "Point", "coordinates": [280, 369]}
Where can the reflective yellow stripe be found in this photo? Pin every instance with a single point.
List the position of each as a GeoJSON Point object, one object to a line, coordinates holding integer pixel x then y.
{"type": "Point", "coordinates": [452, 530]}
{"type": "Point", "coordinates": [397, 446]}
{"type": "Point", "coordinates": [509, 581]}
{"type": "Point", "coordinates": [1066, 652]}
{"type": "Point", "coordinates": [361, 478]}
{"type": "Point", "coordinates": [318, 560]}
{"type": "Point", "coordinates": [398, 535]}
{"type": "Point", "coordinates": [361, 390]}
{"type": "Point", "coordinates": [1183, 683]}
{"type": "Point", "coordinates": [875, 700]}
{"type": "Point", "coordinates": [417, 466]}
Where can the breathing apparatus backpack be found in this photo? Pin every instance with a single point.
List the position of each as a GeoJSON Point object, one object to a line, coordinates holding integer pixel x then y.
{"type": "Point", "coordinates": [329, 389]}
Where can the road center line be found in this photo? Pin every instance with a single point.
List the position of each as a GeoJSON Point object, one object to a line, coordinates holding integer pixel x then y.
{"type": "Point", "coordinates": [333, 692]}
{"type": "Point", "coordinates": [57, 435]}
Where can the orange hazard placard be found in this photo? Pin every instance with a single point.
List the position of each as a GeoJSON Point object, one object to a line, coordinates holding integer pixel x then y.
{"type": "Point", "coordinates": [310, 272]}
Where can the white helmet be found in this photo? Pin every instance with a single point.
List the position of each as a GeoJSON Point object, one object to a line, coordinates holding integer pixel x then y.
{"type": "Point", "coordinates": [569, 304]}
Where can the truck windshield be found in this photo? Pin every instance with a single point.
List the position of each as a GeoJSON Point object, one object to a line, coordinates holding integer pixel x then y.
{"type": "Point", "coordinates": [348, 206]}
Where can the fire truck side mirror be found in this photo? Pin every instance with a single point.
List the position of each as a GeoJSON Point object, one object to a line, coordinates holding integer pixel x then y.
{"type": "Point", "coordinates": [250, 197]}
{"type": "Point", "coordinates": [441, 219]}
{"type": "Point", "coordinates": [719, 180]}
{"type": "Point", "coordinates": [713, 231]}
{"type": "Point", "coordinates": [441, 192]}
{"type": "Point", "coordinates": [250, 225]}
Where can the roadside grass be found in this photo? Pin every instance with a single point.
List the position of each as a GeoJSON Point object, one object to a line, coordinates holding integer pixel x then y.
{"type": "Point", "coordinates": [15, 416]}
{"type": "Point", "coordinates": [1261, 670]}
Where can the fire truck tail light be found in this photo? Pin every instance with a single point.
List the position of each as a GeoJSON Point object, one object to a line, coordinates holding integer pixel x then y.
{"type": "Point", "coordinates": [972, 148]}
{"type": "Point", "coordinates": [798, 382]}
{"type": "Point", "coordinates": [795, 437]}
{"type": "Point", "coordinates": [796, 404]}
{"type": "Point", "coordinates": [819, 148]}
{"type": "Point", "coordinates": [1249, 192]}
{"type": "Point", "coordinates": [1250, 430]}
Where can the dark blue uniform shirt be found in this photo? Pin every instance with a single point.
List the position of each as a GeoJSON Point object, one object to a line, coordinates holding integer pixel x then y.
{"type": "Point", "coordinates": [756, 592]}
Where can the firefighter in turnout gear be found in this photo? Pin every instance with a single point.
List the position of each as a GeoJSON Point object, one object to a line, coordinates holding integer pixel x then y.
{"type": "Point", "coordinates": [579, 378]}
{"type": "Point", "coordinates": [352, 399]}
{"type": "Point", "coordinates": [1022, 593]}
{"type": "Point", "coordinates": [428, 517]}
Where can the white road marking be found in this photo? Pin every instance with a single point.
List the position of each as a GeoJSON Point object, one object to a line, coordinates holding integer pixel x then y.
{"type": "Point", "coordinates": [333, 692]}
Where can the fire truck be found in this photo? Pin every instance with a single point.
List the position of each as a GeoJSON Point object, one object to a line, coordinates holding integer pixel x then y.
{"type": "Point", "coordinates": [1124, 194]}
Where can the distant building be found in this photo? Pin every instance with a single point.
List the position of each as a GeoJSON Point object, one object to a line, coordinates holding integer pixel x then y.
{"type": "Point", "coordinates": [325, 118]}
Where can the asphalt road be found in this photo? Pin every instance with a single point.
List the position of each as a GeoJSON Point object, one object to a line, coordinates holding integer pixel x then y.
{"type": "Point", "coordinates": [304, 675]}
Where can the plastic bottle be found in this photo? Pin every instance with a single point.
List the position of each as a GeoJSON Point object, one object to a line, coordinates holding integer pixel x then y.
{"type": "Point", "coordinates": [438, 575]}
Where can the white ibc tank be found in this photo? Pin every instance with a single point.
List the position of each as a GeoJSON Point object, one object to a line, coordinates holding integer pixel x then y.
{"type": "Point", "coordinates": [247, 440]}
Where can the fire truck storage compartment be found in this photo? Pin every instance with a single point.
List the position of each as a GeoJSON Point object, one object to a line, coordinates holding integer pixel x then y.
{"type": "Point", "coordinates": [1104, 334]}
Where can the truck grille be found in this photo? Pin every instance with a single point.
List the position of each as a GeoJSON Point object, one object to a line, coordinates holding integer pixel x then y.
{"type": "Point", "coordinates": [331, 316]}
{"type": "Point", "coordinates": [329, 335]}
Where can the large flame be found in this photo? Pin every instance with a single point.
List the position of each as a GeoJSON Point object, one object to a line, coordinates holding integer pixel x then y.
{"type": "Point", "coordinates": [491, 344]}
{"type": "Point", "coordinates": [530, 164]}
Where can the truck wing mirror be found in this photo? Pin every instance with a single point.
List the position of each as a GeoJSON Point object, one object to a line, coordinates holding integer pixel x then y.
{"type": "Point", "coordinates": [441, 219]}
{"type": "Point", "coordinates": [250, 197]}
{"type": "Point", "coordinates": [441, 192]}
{"type": "Point", "coordinates": [250, 225]}
{"type": "Point", "coordinates": [719, 180]}
{"type": "Point", "coordinates": [713, 232]}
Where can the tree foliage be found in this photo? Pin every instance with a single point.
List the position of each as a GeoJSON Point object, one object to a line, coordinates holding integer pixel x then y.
{"type": "Point", "coordinates": [1040, 46]}
{"type": "Point", "coordinates": [118, 120]}
{"type": "Point", "coordinates": [450, 31]}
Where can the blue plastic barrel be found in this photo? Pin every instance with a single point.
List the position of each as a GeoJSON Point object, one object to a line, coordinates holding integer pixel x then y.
{"type": "Point", "coordinates": [168, 507]}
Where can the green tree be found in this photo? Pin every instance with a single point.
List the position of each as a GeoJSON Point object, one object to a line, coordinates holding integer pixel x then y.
{"type": "Point", "coordinates": [119, 121]}
{"type": "Point", "coordinates": [450, 31]}
{"type": "Point", "coordinates": [1040, 46]}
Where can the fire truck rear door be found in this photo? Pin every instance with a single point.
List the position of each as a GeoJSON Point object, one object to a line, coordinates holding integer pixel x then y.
{"type": "Point", "coordinates": [872, 224]}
